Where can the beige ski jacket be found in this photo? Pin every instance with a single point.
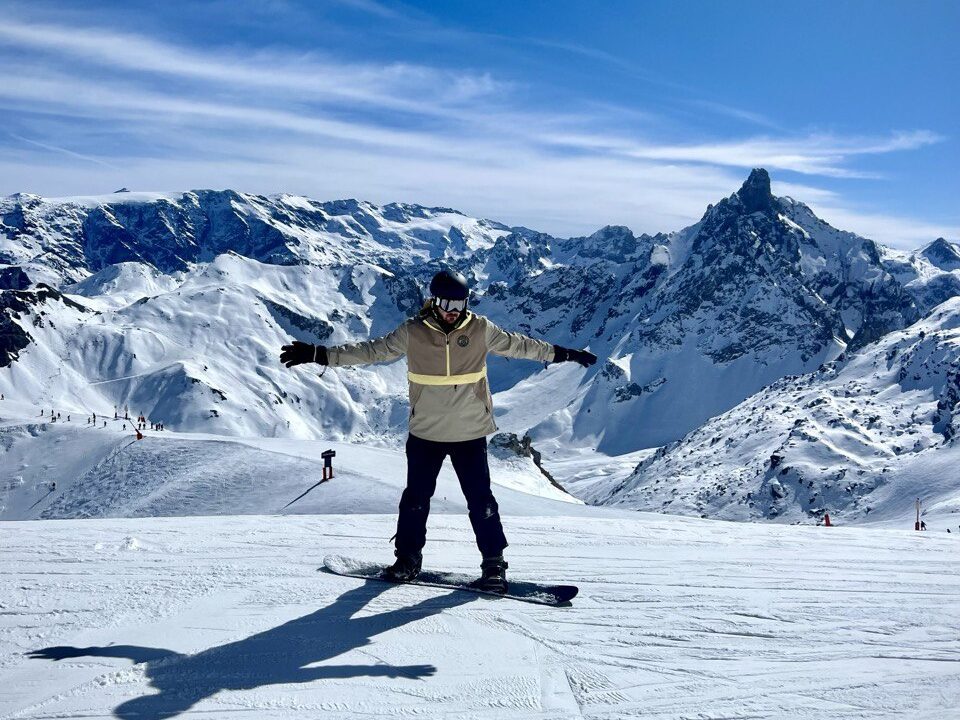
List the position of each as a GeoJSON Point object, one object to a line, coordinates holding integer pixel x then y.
{"type": "Point", "coordinates": [449, 396]}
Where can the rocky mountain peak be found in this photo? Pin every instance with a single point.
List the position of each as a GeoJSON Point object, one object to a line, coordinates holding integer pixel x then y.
{"type": "Point", "coordinates": [755, 193]}
{"type": "Point", "coordinates": [942, 254]}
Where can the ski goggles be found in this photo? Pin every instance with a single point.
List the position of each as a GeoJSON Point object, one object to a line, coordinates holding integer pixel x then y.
{"type": "Point", "coordinates": [448, 305]}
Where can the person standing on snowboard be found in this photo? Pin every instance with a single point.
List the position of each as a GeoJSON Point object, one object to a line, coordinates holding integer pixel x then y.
{"type": "Point", "coordinates": [451, 413]}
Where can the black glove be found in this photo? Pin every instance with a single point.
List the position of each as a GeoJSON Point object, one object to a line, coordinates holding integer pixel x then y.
{"type": "Point", "coordinates": [301, 352]}
{"type": "Point", "coordinates": [584, 357]}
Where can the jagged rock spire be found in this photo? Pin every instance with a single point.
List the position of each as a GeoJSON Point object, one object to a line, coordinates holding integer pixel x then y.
{"type": "Point", "coordinates": [755, 193]}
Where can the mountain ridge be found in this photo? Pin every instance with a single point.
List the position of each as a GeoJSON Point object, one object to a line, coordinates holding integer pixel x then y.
{"type": "Point", "coordinates": [178, 310]}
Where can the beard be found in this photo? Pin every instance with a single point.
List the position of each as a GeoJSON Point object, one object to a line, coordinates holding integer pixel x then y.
{"type": "Point", "coordinates": [447, 326]}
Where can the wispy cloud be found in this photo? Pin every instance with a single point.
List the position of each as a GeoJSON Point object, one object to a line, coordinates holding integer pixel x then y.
{"type": "Point", "coordinates": [734, 112]}
{"type": "Point", "coordinates": [371, 7]}
{"type": "Point", "coordinates": [280, 120]}
{"type": "Point", "coordinates": [391, 85]}
{"type": "Point", "coordinates": [812, 155]}
{"type": "Point", "coordinates": [120, 102]}
{"type": "Point", "coordinates": [904, 233]}
{"type": "Point", "coordinates": [64, 151]}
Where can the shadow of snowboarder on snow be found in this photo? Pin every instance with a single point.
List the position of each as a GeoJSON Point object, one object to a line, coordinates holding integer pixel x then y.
{"type": "Point", "coordinates": [273, 657]}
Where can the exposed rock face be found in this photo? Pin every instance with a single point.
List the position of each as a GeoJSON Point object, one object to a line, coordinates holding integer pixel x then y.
{"type": "Point", "coordinates": [506, 444]}
{"type": "Point", "coordinates": [755, 193]}
{"type": "Point", "coordinates": [942, 254]}
{"type": "Point", "coordinates": [19, 310]}
{"type": "Point", "coordinates": [13, 278]}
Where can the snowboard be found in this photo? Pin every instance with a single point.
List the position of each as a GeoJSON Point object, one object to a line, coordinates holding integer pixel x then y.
{"type": "Point", "coordinates": [556, 595]}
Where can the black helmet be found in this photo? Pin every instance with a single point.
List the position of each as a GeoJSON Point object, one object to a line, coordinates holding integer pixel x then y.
{"type": "Point", "coordinates": [449, 285]}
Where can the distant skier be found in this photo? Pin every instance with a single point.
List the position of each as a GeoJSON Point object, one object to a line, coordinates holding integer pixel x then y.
{"type": "Point", "coordinates": [451, 412]}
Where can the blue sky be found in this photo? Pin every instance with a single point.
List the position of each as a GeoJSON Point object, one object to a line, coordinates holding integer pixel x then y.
{"type": "Point", "coordinates": [562, 116]}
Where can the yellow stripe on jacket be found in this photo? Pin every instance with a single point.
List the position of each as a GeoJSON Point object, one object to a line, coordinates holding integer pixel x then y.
{"type": "Point", "coordinates": [464, 379]}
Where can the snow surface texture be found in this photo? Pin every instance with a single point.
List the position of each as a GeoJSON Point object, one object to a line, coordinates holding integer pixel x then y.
{"type": "Point", "coordinates": [676, 618]}
{"type": "Point", "coordinates": [74, 470]}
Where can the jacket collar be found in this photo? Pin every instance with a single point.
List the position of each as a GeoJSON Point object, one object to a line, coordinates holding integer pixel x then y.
{"type": "Point", "coordinates": [430, 321]}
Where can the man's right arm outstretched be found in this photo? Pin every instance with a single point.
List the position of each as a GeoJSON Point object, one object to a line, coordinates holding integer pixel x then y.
{"type": "Point", "coordinates": [383, 349]}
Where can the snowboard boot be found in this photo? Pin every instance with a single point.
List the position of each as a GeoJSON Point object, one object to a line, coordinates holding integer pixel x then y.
{"type": "Point", "coordinates": [493, 576]}
{"type": "Point", "coordinates": [405, 569]}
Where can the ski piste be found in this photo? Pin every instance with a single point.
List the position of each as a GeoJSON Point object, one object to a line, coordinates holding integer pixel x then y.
{"type": "Point", "coordinates": [555, 595]}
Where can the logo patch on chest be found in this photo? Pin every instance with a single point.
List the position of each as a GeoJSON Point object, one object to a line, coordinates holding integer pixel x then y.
{"type": "Point", "coordinates": [463, 341]}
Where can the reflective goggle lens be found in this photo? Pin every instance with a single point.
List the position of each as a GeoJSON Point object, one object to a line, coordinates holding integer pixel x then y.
{"type": "Point", "coordinates": [451, 305]}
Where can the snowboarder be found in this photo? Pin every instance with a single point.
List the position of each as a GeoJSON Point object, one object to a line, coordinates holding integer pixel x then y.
{"type": "Point", "coordinates": [451, 412]}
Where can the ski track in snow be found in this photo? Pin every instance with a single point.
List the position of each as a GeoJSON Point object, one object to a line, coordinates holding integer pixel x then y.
{"type": "Point", "coordinates": [677, 618]}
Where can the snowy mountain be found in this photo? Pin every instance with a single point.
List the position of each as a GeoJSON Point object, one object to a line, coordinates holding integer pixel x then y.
{"type": "Point", "coordinates": [860, 438]}
{"type": "Point", "coordinates": [174, 305]}
{"type": "Point", "coordinates": [66, 239]}
{"type": "Point", "coordinates": [693, 322]}
{"type": "Point", "coordinates": [942, 254]}
{"type": "Point", "coordinates": [185, 298]}
{"type": "Point", "coordinates": [157, 318]}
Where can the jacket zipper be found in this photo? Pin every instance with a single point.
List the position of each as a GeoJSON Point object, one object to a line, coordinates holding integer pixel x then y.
{"type": "Point", "coordinates": [446, 338]}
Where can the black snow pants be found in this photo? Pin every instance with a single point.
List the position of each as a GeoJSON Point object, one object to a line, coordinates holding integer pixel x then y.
{"type": "Point", "coordinates": [469, 458]}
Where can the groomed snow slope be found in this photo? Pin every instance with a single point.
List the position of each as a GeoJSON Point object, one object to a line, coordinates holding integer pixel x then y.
{"type": "Point", "coordinates": [676, 618]}
{"type": "Point", "coordinates": [56, 470]}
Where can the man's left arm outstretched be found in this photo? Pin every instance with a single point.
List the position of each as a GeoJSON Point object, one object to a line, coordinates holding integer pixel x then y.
{"type": "Point", "coordinates": [515, 345]}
